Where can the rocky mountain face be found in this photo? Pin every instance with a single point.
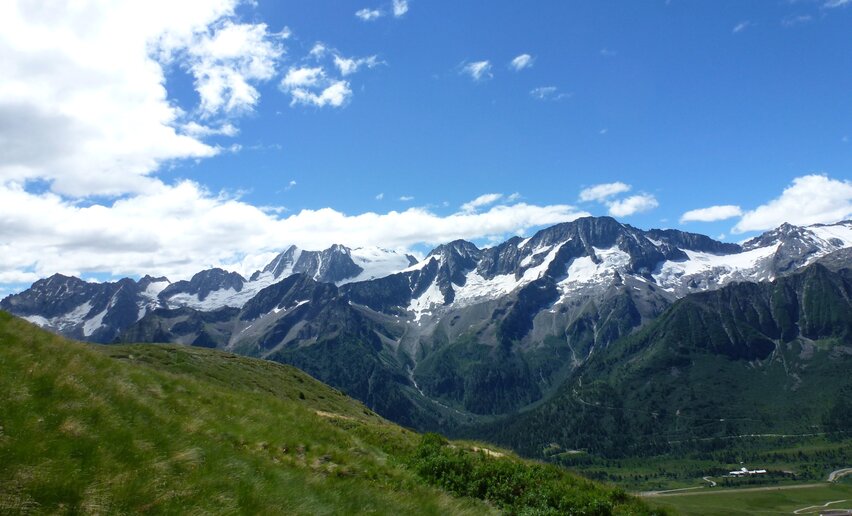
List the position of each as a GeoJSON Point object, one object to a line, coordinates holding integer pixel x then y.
{"type": "Point", "coordinates": [99, 312]}
{"type": "Point", "coordinates": [460, 336]}
{"type": "Point", "coordinates": [95, 312]}
{"type": "Point", "coordinates": [749, 358]}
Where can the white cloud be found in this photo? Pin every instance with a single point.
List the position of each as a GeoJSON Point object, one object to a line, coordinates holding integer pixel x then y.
{"type": "Point", "coordinates": [632, 205]}
{"type": "Point", "coordinates": [226, 60]}
{"type": "Point", "coordinates": [478, 70]}
{"type": "Point", "coordinates": [380, 196]}
{"type": "Point", "coordinates": [521, 62]}
{"type": "Point", "coordinates": [406, 198]}
{"type": "Point", "coordinates": [83, 99]}
{"type": "Point", "coordinates": [315, 85]}
{"type": "Point", "coordinates": [811, 199]}
{"type": "Point", "coordinates": [482, 200]}
{"type": "Point", "coordinates": [831, 4]}
{"type": "Point", "coordinates": [604, 191]}
{"type": "Point", "coordinates": [197, 130]}
{"type": "Point", "coordinates": [348, 66]}
{"type": "Point", "coordinates": [336, 94]}
{"type": "Point", "coordinates": [368, 14]}
{"type": "Point", "coordinates": [318, 50]}
{"type": "Point", "coordinates": [180, 229]}
{"type": "Point", "coordinates": [712, 213]}
{"type": "Point", "coordinates": [400, 7]}
{"type": "Point", "coordinates": [741, 27]}
{"type": "Point", "coordinates": [302, 77]}
{"type": "Point", "coordinates": [548, 93]}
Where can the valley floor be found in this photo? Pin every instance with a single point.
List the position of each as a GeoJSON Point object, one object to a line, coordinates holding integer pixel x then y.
{"type": "Point", "coordinates": [790, 499]}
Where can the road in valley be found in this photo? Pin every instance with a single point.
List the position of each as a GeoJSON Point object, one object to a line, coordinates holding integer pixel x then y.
{"type": "Point", "coordinates": [834, 475]}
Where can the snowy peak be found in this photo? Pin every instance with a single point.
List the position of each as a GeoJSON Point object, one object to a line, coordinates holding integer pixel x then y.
{"type": "Point", "coordinates": [148, 282]}
{"type": "Point", "coordinates": [204, 283]}
{"type": "Point", "coordinates": [329, 266]}
{"type": "Point", "coordinates": [778, 252]}
{"type": "Point", "coordinates": [51, 297]}
{"type": "Point", "coordinates": [562, 243]}
{"type": "Point", "coordinates": [79, 309]}
{"type": "Point", "coordinates": [454, 261]}
{"type": "Point", "coordinates": [456, 250]}
{"type": "Point", "coordinates": [797, 246]}
{"type": "Point", "coordinates": [281, 265]}
{"type": "Point", "coordinates": [558, 270]}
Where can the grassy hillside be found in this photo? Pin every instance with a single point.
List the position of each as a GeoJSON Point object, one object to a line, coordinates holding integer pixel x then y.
{"type": "Point", "coordinates": [166, 429]}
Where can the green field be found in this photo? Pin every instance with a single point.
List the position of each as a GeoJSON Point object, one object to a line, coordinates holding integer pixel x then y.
{"type": "Point", "coordinates": [168, 429]}
{"type": "Point", "coordinates": [776, 500]}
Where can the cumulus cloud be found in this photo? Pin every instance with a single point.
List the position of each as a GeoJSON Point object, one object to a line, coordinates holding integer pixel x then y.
{"type": "Point", "coordinates": [400, 7]}
{"type": "Point", "coordinates": [603, 191]}
{"type": "Point", "coordinates": [301, 77]}
{"type": "Point", "coordinates": [83, 103]}
{"type": "Point", "coordinates": [406, 198]}
{"type": "Point", "coordinates": [348, 65]}
{"type": "Point", "coordinates": [177, 230]}
{"type": "Point", "coordinates": [521, 62]}
{"type": "Point", "coordinates": [810, 199]}
{"type": "Point", "coordinates": [478, 70]}
{"type": "Point", "coordinates": [482, 200]}
{"type": "Point", "coordinates": [87, 98]}
{"type": "Point", "coordinates": [632, 205]}
{"type": "Point", "coordinates": [368, 14]}
{"type": "Point", "coordinates": [336, 94]}
{"type": "Point", "coordinates": [605, 194]}
{"type": "Point", "coordinates": [712, 213]}
{"type": "Point", "coordinates": [314, 82]}
{"type": "Point", "coordinates": [226, 60]}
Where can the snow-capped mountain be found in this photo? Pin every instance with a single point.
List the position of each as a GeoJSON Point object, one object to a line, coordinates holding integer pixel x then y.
{"type": "Point", "coordinates": [775, 253]}
{"type": "Point", "coordinates": [595, 253]}
{"type": "Point", "coordinates": [463, 331]}
{"type": "Point", "coordinates": [580, 259]}
{"type": "Point", "coordinates": [100, 311]}
{"type": "Point", "coordinates": [83, 310]}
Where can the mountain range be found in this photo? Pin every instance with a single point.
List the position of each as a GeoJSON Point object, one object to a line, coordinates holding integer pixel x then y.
{"type": "Point", "coordinates": [487, 341]}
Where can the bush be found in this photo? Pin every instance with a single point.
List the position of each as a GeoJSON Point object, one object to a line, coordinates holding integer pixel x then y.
{"type": "Point", "coordinates": [512, 485]}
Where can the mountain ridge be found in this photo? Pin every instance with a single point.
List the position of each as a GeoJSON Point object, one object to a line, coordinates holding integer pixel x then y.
{"type": "Point", "coordinates": [466, 334]}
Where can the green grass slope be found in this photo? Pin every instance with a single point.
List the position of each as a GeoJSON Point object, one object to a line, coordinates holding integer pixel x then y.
{"type": "Point", "coordinates": [168, 429]}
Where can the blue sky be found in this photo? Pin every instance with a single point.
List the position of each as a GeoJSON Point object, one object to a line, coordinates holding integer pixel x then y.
{"type": "Point", "coordinates": [690, 110]}
{"type": "Point", "coordinates": [676, 105]}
